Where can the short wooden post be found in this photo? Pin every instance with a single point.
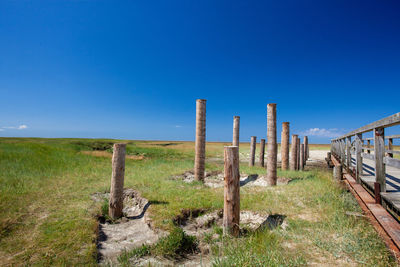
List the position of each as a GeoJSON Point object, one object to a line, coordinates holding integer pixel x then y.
{"type": "Point", "coordinates": [231, 217]}
{"type": "Point", "coordinates": [298, 154]}
{"type": "Point", "coordinates": [302, 156]}
{"type": "Point", "coordinates": [253, 143]}
{"type": "Point", "coordinates": [285, 146]}
{"type": "Point", "coordinates": [200, 142]}
{"type": "Point", "coordinates": [379, 148]}
{"type": "Point", "coordinates": [293, 152]}
{"type": "Point", "coordinates": [262, 150]}
{"type": "Point", "coordinates": [337, 172]}
{"type": "Point", "coordinates": [117, 181]}
{"type": "Point", "coordinates": [348, 152]}
{"type": "Point", "coordinates": [272, 148]}
{"type": "Point", "coordinates": [236, 128]}
{"type": "Point", "coordinates": [390, 147]}
{"type": "Point", "coordinates": [306, 149]}
{"type": "Point", "coordinates": [359, 164]}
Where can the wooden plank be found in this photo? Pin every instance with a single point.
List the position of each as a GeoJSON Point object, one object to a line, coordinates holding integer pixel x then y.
{"type": "Point", "coordinates": [385, 122]}
{"type": "Point", "coordinates": [391, 162]}
{"type": "Point", "coordinates": [388, 223]}
{"type": "Point", "coordinates": [368, 156]}
{"type": "Point", "coordinates": [367, 148]}
{"type": "Point", "coordinates": [396, 136]}
{"type": "Point", "coordinates": [379, 145]}
{"type": "Point", "coordinates": [393, 151]}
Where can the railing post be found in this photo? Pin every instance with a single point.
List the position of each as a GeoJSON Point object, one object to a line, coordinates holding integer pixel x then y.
{"type": "Point", "coordinates": [368, 145]}
{"type": "Point", "coordinates": [379, 149]}
{"type": "Point", "coordinates": [342, 152]}
{"type": "Point", "coordinates": [348, 152]}
{"type": "Point", "coordinates": [390, 147]}
{"type": "Point", "coordinates": [359, 163]}
{"type": "Point", "coordinates": [252, 150]}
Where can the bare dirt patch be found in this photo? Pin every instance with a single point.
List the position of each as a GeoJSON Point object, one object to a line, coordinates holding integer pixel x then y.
{"type": "Point", "coordinates": [132, 230]}
{"type": "Point", "coordinates": [215, 179]}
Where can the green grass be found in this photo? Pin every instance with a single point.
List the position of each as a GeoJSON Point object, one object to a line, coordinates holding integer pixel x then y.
{"type": "Point", "coordinates": [48, 218]}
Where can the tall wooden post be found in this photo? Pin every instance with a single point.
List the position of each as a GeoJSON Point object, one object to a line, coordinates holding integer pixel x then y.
{"type": "Point", "coordinates": [272, 148]}
{"type": "Point", "coordinates": [293, 153]}
{"type": "Point", "coordinates": [117, 181]}
{"type": "Point", "coordinates": [285, 145]}
{"type": "Point", "coordinates": [358, 143]}
{"type": "Point", "coordinates": [379, 148]}
{"type": "Point", "coordinates": [236, 127]}
{"type": "Point", "coordinates": [252, 150]}
{"type": "Point", "coordinates": [231, 217]}
{"type": "Point", "coordinates": [390, 147]}
{"type": "Point", "coordinates": [200, 143]}
{"type": "Point", "coordinates": [306, 149]}
{"type": "Point", "coordinates": [298, 154]}
{"type": "Point", "coordinates": [368, 146]}
{"type": "Point", "coordinates": [302, 156]}
{"type": "Point", "coordinates": [262, 149]}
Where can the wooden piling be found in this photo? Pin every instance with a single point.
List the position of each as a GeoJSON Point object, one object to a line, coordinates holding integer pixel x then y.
{"type": "Point", "coordinates": [117, 181]}
{"type": "Point", "coordinates": [253, 143]}
{"type": "Point", "coordinates": [306, 149]}
{"type": "Point", "coordinates": [272, 148]}
{"type": "Point", "coordinates": [302, 156]}
{"type": "Point", "coordinates": [337, 172]}
{"type": "Point", "coordinates": [200, 143]}
{"type": "Point", "coordinates": [293, 152]}
{"type": "Point", "coordinates": [379, 154]}
{"type": "Point", "coordinates": [231, 216]}
{"type": "Point", "coordinates": [236, 128]}
{"type": "Point", "coordinates": [262, 149]}
{"type": "Point", "coordinates": [298, 154]}
{"type": "Point", "coordinates": [285, 146]}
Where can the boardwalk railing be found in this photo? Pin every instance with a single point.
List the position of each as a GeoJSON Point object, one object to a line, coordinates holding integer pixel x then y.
{"type": "Point", "coordinates": [353, 143]}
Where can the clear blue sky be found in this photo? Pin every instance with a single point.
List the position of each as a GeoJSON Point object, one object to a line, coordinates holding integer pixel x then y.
{"type": "Point", "coordinates": [133, 69]}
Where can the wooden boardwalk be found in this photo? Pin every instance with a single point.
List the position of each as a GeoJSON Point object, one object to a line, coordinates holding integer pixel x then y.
{"type": "Point", "coordinates": [392, 194]}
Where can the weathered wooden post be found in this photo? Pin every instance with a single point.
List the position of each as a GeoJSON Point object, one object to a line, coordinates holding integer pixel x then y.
{"type": "Point", "coordinates": [298, 154]}
{"type": "Point", "coordinates": [368, 146]}
{"type": "Point", "coordinates": [306, 149]}
{"type": "Point", "coordinates": [358, 143]}
{"type": "Point", "coordinates": [236, 128]}
{"type": "Point", "coordinates": [293, 153]}
{"type": "Point", "coordinates": [115, 204]}
{"type": "Point", "coordinates": [272, 148]}
{"type": "Point", "coordinates": [231, 217]}
{"type": "Point", "coordinates": [337, 172]}
{"type": "Point", "coordinates": [379, 149]}
{"type": "Point", "coordinates": [348, 153]}
{"type": "Point", "coordinates": [253, 143]}
{"type": "Point", "coordinates": [200, 143]}
{"type": "Point", "coordinates": [302, 156]}
{"type": "Point", "coordinates": [285, 146]}
{"type": "Point", "coordinates": [262, 149]}
{"type": "Point", "coordinates": [390, 147]}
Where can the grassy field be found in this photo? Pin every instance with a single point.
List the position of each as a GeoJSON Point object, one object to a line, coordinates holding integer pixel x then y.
{"type": "Point", "coordinates": [47, 217]}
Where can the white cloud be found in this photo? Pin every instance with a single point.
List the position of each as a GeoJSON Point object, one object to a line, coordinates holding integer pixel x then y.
{"type": "Point", "coordinates": [322, 132]}
{"type": "Point", "coordinates": [21, 127]}
{"type": "Point", "coordinates": [178, 126]}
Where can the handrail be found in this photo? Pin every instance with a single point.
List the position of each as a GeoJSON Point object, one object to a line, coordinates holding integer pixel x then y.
{"type": "Point", "coordinates": [385, 122]}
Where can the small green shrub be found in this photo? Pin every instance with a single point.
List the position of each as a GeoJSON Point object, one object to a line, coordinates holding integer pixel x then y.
{"type": "Point", "coordinates": [175, 244]}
